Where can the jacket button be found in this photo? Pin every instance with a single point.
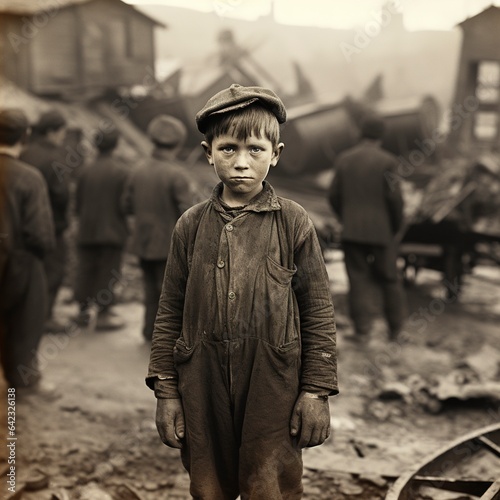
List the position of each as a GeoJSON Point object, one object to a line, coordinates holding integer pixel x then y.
{"type": "Point", "coordinates": [229, 227]}
{"type": "Point", "coordinates": [220, 264]}
{"type": "Point", "coordinates": [231, 295]}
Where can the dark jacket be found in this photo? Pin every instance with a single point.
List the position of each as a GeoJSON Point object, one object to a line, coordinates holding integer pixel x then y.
{"type": "Point", "coordinates": [48, 158]}
{"type": "Point", "coordinates": [366, 196]}
{"type": "Point", "coordinates": [257, 279]}
{"type": "Point", "coordinates": [27, 219]}
{"type": "Point", "coordinates": [157, 193]}
{"type": "Point", "coordinates": [26, 227]}
{"type": "Point", "coordinates": [100, 188]}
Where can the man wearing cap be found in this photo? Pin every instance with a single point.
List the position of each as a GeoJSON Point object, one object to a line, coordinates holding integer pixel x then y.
{"type": "Point", "coordinates": [243, 356]}
{"type": "Point", "coordinates": [158, 192]}
{"type": "Point", "coordinates": [44, 152]}
{"type": "Point", "coordinates": [370, 208]}
{"type": "Point", "coordinates": [102, 233]}
{"type": "Point", "coordinates": [27, 234]}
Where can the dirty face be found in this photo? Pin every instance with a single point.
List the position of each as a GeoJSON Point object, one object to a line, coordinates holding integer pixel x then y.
{"type": "Point", "coordinates": [241, 164]}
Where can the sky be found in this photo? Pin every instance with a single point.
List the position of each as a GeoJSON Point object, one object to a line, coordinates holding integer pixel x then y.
{"type": "Point", "coordinates": [340, 14]}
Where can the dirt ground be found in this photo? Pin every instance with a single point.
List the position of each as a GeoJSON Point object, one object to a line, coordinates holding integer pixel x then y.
{"type": "Point", "coordinates": [95, 437]}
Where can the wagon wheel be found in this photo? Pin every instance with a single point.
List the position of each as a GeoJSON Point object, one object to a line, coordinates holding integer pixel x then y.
{"type": "Point", "coordinates": [432, 472]}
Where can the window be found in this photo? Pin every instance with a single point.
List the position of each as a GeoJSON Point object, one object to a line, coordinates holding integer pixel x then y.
{"type": "Point", "coordinates": [488, 82]}
{"type": "Point", "coordinates": [487, 90]}
{"type": "Point", "coordinates": [486, 125]}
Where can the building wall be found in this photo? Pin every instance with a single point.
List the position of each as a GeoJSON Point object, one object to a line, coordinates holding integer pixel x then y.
{"type": "Point", "coordinates": [15, 50]}
{"type": "Point", "coordinates": [481, 42]}
{"type": "Point", "coordinates": [54, 55]}
{"type": "Point", "coordinates": [116, 45]}
{"type": "Point", "coordinates": [81, 50]}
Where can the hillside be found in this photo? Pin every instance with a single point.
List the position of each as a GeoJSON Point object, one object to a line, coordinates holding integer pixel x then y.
{"type": "Point", "coordinates": [411, 62]}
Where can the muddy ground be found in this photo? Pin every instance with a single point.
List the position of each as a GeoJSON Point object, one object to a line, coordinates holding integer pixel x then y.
{"type": "Point", "coordinates": [94, 437]}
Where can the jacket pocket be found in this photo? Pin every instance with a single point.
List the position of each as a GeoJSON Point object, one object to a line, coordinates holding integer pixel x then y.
{"type": "Point", "coordinates": [182, 352]}
{"type": "Point", "coordinates": [279, 274]}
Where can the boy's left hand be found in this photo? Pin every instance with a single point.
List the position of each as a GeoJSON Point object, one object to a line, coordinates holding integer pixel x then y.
{"type": "Point", "coordinates": [310, 420]}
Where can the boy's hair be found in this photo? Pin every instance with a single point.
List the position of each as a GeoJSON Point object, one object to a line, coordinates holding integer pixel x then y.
{"type": "Point", "coordinates": [50, 121]}
{"type": "Point", "coordinates": [372, 127]}
{"type": "Point", "coordinates": [242, 123]}
{"type": "Point", "coordinates": [107, 141]}
{"type": "Point", "coordinates": [14, 127]}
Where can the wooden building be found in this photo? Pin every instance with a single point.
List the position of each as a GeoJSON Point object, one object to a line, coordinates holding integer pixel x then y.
{"type": "Point", "coordinates": [475, 117]}
{"type": "Point", "coordinates": [75, 48]}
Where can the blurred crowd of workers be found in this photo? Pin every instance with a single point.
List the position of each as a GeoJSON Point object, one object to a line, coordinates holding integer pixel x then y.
{"type": "Point", "coordinates": [38, 199]}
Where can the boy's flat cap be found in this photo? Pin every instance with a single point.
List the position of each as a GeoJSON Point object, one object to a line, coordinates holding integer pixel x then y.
{"type": "Point", "coordinates": [237, 97]}
{"type": "Point", "coordinates": [167, 130]}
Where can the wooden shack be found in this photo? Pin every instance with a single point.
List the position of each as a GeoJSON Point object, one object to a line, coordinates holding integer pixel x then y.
{"type": "Point", "coordinates": [75, 48]}
{"type": "Point", "coordinates": [475, 117]}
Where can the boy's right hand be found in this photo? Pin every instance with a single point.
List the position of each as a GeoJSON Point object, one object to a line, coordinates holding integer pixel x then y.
{"type": "Point", "coordinates": [170, 421]}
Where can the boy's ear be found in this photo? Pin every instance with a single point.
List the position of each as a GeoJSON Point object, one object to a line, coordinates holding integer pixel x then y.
{"type": "Point", "coordinates": [276, 154]}
{"type": "Point", "coordinates": [208, 152]}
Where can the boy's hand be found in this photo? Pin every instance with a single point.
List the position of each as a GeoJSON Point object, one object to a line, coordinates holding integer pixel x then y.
{"type": "Point", "coordinates": [170, 421]}
{"type": "Point", "coordinates": [310, 420]}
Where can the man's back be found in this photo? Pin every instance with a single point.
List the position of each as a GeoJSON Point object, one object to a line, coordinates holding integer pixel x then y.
{"type": "Point", "coordinates": [159, 193]}
{"type": "Point", "coordinates": [98, 195]}
{"type": "Point", "coordinates": [45, 156]}
{"type": "Point", "coordinates": [369, 207]}
{"type": "Point", "coordinates": [28, 214]}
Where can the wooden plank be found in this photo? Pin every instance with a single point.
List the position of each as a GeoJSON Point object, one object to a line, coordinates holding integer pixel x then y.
{"type": "Point", "coordinates": [488, 443]}
{"type": "Point", "coordinates": [322, 459]}
{"type": "Point", "coordinates": [468, 486]}
{"type": "Point", "coordinates": [493, 492]}
{"type": "Point", "coordinates": [448, 455]}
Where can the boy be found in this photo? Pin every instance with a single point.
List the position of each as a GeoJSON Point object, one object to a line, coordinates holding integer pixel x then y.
{"type": "Point", "coordinates": [45, 150]}
{"type": "Point", "coordinates": [27, 235]}
{"type": "Point", "coordinates": [102, 233]}
{"type": "Point", "coordinates": [371, 212]}
{"type": "Point", "coordinates": [243, 356]}
{"type": "Point", "coordinates": [157, 193]}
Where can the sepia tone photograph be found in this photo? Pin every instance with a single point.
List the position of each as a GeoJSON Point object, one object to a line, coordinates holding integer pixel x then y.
{"type": "Point", "coordinates": [250, 249]}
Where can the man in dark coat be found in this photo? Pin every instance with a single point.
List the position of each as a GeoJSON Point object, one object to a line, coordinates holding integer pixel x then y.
{"type": "Point", "coordinates": [102, 233]}
{"type": "Point", "coordinates": [45, 152]}
{"type": "Point", "coordinates": [369, 204]}
{"type": "Point", "coordinates": [27, 234]}
{"type": "Point", "coordinates": [158, 192]}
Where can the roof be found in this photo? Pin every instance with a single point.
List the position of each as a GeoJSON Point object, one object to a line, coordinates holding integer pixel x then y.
{"type": "Point", "coordinates": [31, 7]}
{"type": "Point", "coordinates": [486, 12]}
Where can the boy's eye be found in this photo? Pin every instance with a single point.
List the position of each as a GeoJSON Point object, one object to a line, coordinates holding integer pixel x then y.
{"type": "Point", "coordinates": [255, 149]}
{"type": "Point", "coordinates": [227, 149]}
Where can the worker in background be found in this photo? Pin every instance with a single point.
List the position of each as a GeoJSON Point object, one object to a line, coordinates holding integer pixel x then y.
{"type": "Point", "coordinates": [102, 234]}
{"type": "Point", "coordinates": [45, 152]}
{"type": "Point", "coordinates": [158, 192]}
{"type": "Point", "coordinates": [27, 234]}
{"type": "Point", "coordinates": [370, 209]}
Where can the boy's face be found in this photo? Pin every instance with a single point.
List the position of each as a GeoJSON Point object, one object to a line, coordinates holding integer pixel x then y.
{"type": "Point", "coordinates": [241, 164]}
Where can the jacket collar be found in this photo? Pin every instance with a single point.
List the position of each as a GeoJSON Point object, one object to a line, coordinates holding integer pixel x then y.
{"type": "Point", "coordinates": [163, 154]}
{"type": "Point", "coordinates": [265, 201]}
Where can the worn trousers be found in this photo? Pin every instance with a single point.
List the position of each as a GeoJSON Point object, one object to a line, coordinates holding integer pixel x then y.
{"type": "Point", "coordinates": [22, 324]}
{"type": "Point", "coordinates": [97, 275]}
{"type": "Point", "coordinates": [153, 271]}
{"type": "Point", "coordinates": [238, 398]}
{"type": "Point", "coordinates": [369, 265]}
{"type": "Point", "coordinates": [55, 266]}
